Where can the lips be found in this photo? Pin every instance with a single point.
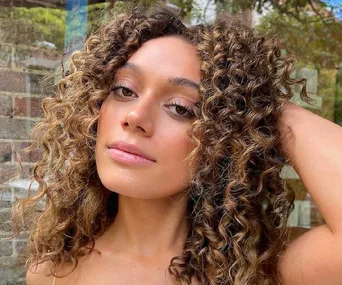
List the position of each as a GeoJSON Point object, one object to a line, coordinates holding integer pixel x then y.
{"type": "Point", "coordinates": [130, 148]}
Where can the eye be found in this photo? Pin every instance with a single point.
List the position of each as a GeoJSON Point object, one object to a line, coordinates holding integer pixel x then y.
{"type": "Point", "coordinates": [181, 110]}
{"type": "Point", "coordinates": [125, 92]}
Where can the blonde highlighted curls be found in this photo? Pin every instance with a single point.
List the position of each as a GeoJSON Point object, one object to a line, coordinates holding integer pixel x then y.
{"type": "Point", "coordinates": [238, 206]}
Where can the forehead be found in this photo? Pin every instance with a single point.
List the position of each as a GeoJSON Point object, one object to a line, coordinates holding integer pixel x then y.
{"type": "Point", "coordinates": [168, 56]}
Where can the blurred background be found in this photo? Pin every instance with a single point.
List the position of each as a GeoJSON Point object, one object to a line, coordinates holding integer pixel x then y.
{"type": "Point", "coordinates": [36, 36]}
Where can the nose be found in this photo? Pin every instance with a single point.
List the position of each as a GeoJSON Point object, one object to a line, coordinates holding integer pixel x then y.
{"type": "Point", "coordinates": [139, 119]}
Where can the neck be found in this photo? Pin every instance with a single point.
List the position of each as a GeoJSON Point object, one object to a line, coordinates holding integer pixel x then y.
{"type": "Point", "coordinates": [149, 227]}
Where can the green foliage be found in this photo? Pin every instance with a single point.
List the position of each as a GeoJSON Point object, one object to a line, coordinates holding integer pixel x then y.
{"type": "Point", "coordinates": [295, 8]}
{"type": "Point", "coordinates": [314, 42]}
{"type": "Point", "coordinates": [30, 25]}
{"type": "Point", "coordinates": [123, 5]}
{"type": "Point", "coordinates": [338, 102]}
{"type": "Point", "coordinates": [187, 7]}
{"type": "Point", "coordinates": [327, 90]}
{"type": "Point", "coordinates": [97, 15]}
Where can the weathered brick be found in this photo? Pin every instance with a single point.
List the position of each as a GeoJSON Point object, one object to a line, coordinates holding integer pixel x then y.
{"type": "Point", "coordinates": [40, 84]}
{"type": "Point", "coordinates": [9, 261]}
{"type": "Point", "coordinates": [15, 128]}
{"type": "Point", "coordinates": [6, 248]}
{"type": "Point", "coordinates": [5, 274]}
{"type": "Point", "coordinates": [5, 204]}
{"type": "Point", "coordinates": [12, 275]}
{"type": "Point", "coordinates": [27, 106]}
{"type": "Point", "coordinates": [15, 81]}
{"type": "Point", "coordinates": [12, 81]}
{"type": "Point", "coordinates": [5, 55]}
{"type": "Point", "coordinates": [5, 105]}
{"type": "Point", "coordinates": [20, 192]}
{"type": "Point", "coordinates": [5, 225]}
{"type": "Point", "coordinates": [7, 172]}
{"type": "Point", "coordinates": [17, 282]}
{"type": "Point", "coordinates": [5, 198]}
{"type": "Point", "coordinates": [5, 152]}
{"type": "Point", "coordinates": [25, 156]}
{"type": "Point", "coordinates": [19, 245]}
{"type": "Point", "coordinates": [32, 56]}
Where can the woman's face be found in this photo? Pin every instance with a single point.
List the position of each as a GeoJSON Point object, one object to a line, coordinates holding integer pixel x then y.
{"type": "Point", "coordinates": [150, 109]}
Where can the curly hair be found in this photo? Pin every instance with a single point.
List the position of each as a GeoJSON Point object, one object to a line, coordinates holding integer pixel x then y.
{"type": "Point", "coordinates": [238, 204]}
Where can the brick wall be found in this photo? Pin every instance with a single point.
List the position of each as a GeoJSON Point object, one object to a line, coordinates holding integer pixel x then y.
{"type": "Point", "coordinates": [22, 70]}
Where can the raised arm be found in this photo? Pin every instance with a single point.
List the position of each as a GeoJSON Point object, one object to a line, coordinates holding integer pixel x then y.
{"type": "Point", "coordinates": [314, 147]}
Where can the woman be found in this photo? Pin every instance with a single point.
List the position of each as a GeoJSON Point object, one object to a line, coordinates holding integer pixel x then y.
{"type": "Point", "coordinates": [161, 154]}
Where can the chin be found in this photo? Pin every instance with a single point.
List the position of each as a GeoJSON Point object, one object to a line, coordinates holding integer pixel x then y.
{"type": "Point", "coordinates": [135, 190]}
{"type": "Point", "coordinates": [140, 184]}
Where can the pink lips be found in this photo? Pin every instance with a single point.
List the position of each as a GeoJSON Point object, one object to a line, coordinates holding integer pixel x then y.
{"type": "Point", "coordinates": [129, 154]}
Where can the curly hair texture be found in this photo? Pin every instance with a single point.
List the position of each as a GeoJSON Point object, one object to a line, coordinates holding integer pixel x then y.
{"type": "Point", "coordinates": [239, 205]}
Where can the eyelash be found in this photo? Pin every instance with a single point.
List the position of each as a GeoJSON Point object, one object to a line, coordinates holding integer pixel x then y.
{"type": "Point", "coordinates": [174, 104]}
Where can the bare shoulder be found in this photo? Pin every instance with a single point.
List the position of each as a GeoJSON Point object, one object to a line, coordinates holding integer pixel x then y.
{"type": "Point", "coordinates": [39, 275]}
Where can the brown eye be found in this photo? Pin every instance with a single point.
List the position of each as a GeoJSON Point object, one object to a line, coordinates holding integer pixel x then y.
{"type": "Point", "coordinates": [180, 110]}
{"type": "Point", "coordinates": [125, 92]}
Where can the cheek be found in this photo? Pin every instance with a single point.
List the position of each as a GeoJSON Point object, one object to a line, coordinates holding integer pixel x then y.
{"type": "Point", "coordinates": [105, 119]}
{"type": "Point", "coordinates": [178, 139]}
{"type": "Point", "coordinates": [177, 146]}
{"type": "Point", "coordinates": [104, 126]}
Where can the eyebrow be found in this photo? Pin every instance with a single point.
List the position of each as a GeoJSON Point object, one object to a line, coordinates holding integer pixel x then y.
{"type": "Point", "coordinates": [176, 81]}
